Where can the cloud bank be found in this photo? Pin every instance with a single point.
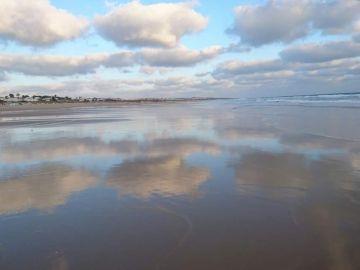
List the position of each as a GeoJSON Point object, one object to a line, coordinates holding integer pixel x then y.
{"type": "Point", "coordinates": [314, 53]}
{"type": "Point", "coordinates": [61, 65]}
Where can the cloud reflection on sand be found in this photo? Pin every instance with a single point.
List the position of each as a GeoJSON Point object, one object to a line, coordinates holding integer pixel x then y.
{"type": "Point", "coordinates": [53, 149]}
{"type": "Point", "coordinates": [167, 176]}
{"type": "Point", "coordinates": [160, 168]}
{"type": "Point", "coordinates": [42, 188]}
{"type": "Point", "coordinates": [154, 166]}
{"type": "Point", "coordinates": [264, 169]}
{"type": "Point", "coordinates": [318, 193]}
{"type": "Point", "coordinates": [59, 262]}
{"type": "Point", "coordinates": [355, 160]}
{"type": "Point", "coordinates": [309, 141]}
{"type": "Point", "coordinates": [63, 148]}
{"type": "Point", "coordinates": [243, 134]}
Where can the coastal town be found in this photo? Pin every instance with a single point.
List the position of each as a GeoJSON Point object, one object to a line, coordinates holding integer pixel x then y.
{"type": "Point", "coordinates": [19, 99]}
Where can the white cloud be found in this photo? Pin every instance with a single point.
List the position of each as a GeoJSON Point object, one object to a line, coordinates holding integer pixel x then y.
{"type": "Point", "coordinates": [275, 21]}
{"type": "Point", "coordinates": [59, 65]}
{"type": "Point", "coordinates": [38, 23]}
{"type": "Point", "coordinates": [236, 67]}
{"type": "Point", "coordinates": [356, 36]}
{"type": "Point", "coordinates": [277, 77]}
{"type": "Point", "coordinates": [229, 79]}
{"type": "Point", "coordinates": [336, 17]}
{"type": "Point", "coordinates": [149, 70]}
{"type": "Point", "coordinates": [126, 88]}
{"type": "Point", "coordinates": [163, 24]}
{"type": "Point", "coordinates": [3, 76]}
{"type": "Point", "coordinates": [332, 69]}
{"type": "Point", "coordinates": [179, 56]}
{"type": "Point", "coordinates": [288, 20]}
{"type": "Point", "coordinates": [314, 53]}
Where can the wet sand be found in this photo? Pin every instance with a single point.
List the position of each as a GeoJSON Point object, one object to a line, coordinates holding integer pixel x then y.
{"type": "Point", "coordinates": [198, 185]}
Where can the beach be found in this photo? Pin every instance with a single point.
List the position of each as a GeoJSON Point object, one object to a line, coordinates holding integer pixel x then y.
{"type": "Point", "coordinates": [212, 184]}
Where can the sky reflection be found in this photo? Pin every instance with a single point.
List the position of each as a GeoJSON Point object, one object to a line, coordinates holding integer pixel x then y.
{"type": "Point", "coordinates": [204, 185]}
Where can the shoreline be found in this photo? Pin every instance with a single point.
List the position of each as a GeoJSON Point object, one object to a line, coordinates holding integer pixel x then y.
{"type": "Point", "coordinates": [59, 105]}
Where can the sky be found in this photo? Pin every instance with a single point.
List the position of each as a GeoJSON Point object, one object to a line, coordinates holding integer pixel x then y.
{"type": "Point", "coordinates": [148, 48]}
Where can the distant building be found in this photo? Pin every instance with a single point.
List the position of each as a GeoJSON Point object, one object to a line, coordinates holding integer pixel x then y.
{"type": "Point", "coordinates": [46, 99]}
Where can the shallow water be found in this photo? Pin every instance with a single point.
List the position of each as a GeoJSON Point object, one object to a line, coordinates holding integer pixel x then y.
{"type": "Point", "coordinates": [197, 185]}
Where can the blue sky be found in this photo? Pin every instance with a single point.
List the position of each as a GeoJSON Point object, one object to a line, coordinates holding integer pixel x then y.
{"type": "Point", "coordinates": [174, 48]}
